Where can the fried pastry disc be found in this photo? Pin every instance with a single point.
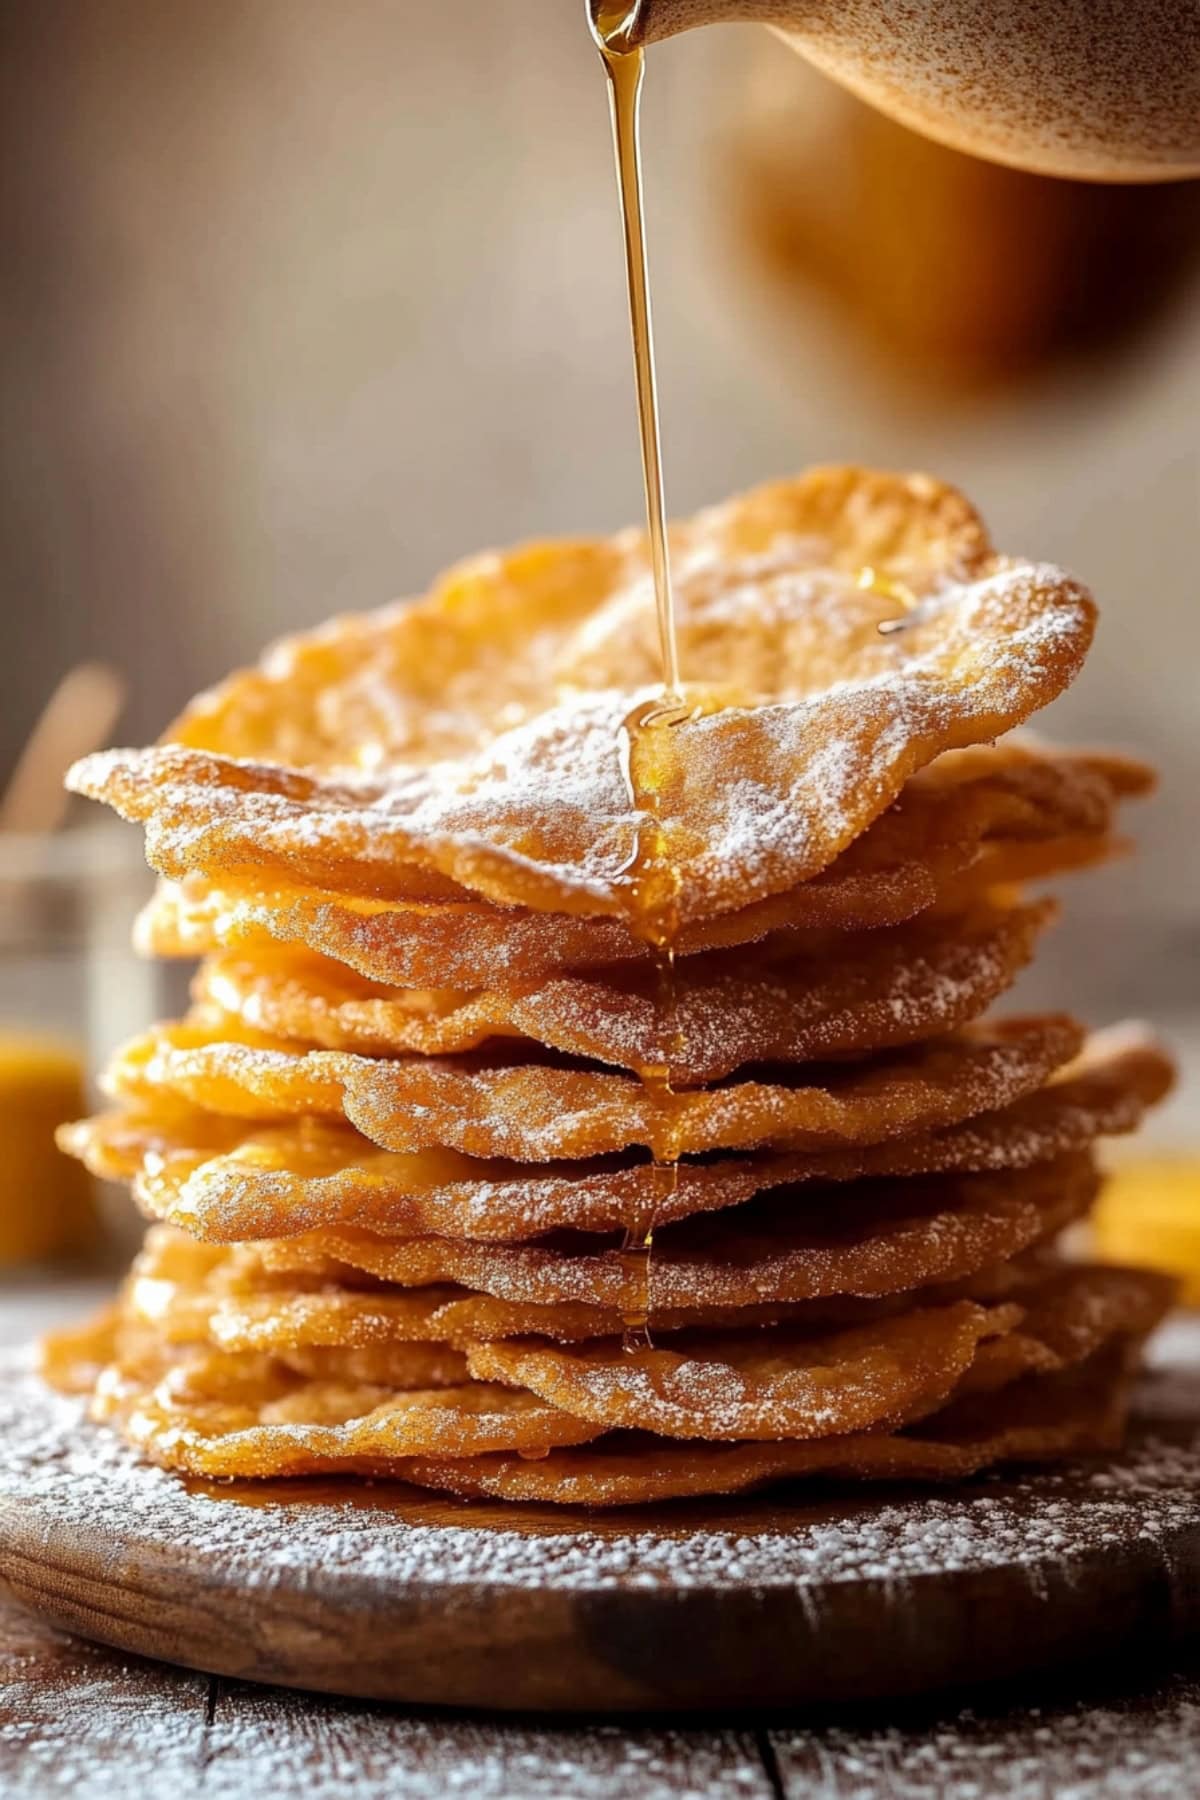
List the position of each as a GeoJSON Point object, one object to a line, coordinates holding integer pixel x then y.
{"type": "Point", "coordinates": [423, 681]}
{"type": "Point", "coordinates": [420, 947]}
{"type": "Point", "coordinates": [178, 1292]}
{"type": "Point", "coordinates": [225, 1181]}
{"type": "Point", "coordinates": [1049, 791]}
{"type": "Point", "coordinates": [991, 810]}
{"type": "Point", "coordinates": [1105, 1091]}
{"type": "Point", "coordinates": [399, 1365]}
{"type": "Point", "coordinates": [752, 1385]}
{"type": "Point", "coordinates": [994, 793]}
{"type": "Point", "coordinates": [213, 1413]}
{"type": "Point", "coordinates": [993, 642]}
{"type": "Point", "coordinates": [475, 944]}
{"type": "Point", "coordinates": [1070, 1312]}
{"type": "Point", "coordinates": [788, 1383]}
{"type": "Point", "coordinates": [537, 1111]}
{"type": "Point", "coordinates": [795, 999]}
{"type": "Point", "coordinates": [872, 1239]}
{"type": "Point", "coordinates": [1039, 1419]}
{"type": "Point", "coordinates": [333, 1315]}
{"type": "Point", "coordinates": [75, 1359]}
{"type": "Point", "coordinates": [189, 1412]}
{"type": "Point", "coordinates": [184, 1292]}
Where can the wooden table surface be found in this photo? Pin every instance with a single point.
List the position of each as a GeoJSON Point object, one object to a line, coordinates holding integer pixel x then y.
{"type": "Point", "coordinates": [75, 1717]}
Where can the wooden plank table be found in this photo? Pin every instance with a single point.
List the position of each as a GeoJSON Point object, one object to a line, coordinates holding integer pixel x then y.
{"type": "Point", "coordinates": [75, 1717]}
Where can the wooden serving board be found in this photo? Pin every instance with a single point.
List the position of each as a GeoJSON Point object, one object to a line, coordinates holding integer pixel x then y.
{"type": "Point", "coordinates": [794, 1599]}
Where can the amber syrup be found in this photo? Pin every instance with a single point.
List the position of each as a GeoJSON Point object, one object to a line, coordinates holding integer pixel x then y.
{"type": "Point", "coordinates": [652, 877]}
{"type": "Point", "coordinates": [875, 581]}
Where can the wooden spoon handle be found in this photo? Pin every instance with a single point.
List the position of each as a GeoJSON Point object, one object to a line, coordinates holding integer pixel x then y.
{"type": "Point", "coordinates": [77, 718]}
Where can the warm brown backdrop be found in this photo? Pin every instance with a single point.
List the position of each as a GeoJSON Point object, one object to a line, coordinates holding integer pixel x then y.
{"type": "Point", "coordinates": [301, 301]}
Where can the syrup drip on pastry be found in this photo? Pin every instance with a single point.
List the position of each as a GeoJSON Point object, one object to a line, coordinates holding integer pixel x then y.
{"type": "Point", "coordinates": [652, 874]}
{"type": "Point", "coordinates": [875, 581]}
{"type": "Point", "coordinates": [654, 879]}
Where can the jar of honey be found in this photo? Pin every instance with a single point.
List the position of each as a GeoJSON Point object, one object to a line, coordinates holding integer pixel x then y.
{"type": "Point", "coordinates": [70, 990]}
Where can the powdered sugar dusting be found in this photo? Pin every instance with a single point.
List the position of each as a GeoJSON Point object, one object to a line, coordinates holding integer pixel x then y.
{"type": "Point", "coordinates": [1119, 1750]}
{"type": "Point", "coordinates": [77, 1477]}
{"type": "Point", "coordinates": [87, 1721]}
{"type": "Point", "coordinates": [824, 719]}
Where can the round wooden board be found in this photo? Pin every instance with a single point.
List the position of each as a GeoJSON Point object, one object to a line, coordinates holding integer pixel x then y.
{"type": "Point", "coordinates": [790, 1599]}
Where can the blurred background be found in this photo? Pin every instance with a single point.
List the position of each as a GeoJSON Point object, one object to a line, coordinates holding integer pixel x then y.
{"type": "Point", "coordinates": [302, 302]}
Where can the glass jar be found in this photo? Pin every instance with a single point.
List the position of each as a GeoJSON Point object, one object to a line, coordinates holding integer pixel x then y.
{"type": "Point", "coordinates": [71, 989]}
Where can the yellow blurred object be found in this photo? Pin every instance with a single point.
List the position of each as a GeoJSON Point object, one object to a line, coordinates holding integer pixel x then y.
{"type": "Point", "coordinates": [45, 1208]}
{"type": "Point", "coordinates": [960, 272]}
{"type": "Point", "coordinates": [1149, 1215]}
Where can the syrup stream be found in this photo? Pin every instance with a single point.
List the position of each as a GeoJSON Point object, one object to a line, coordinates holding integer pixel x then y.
{"type": "Point", "coordinates": [653, 878]}
{"type": "Point", "coordinates": [625, 68]}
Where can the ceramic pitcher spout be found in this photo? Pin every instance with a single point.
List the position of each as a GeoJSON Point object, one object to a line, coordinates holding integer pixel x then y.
{"type": "Point", "coordinates": [1099, 90]}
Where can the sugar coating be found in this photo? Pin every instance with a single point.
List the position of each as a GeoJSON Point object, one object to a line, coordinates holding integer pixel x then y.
{"type": "Point", "coordinates": [390, 789]}
{"type": "Point", "coordinates": [78, 1477]}
{"type": "Point", "coordinates": [410, 755]}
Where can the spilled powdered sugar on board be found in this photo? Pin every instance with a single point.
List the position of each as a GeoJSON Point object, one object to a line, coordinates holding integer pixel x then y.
{"type": "Point", "coordinates": [103, 1725]}
{"type": "Point", "coordinates": [76, 1475]}
{"type": "Point", "coordinates": [86, 1720]}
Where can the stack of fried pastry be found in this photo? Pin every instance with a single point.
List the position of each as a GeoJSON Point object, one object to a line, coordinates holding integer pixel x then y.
{"type": "Point", "coordinates": [586, 1103]}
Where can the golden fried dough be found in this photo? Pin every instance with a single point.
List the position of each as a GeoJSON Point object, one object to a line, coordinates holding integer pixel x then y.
{"type": "Point", "coordinates": [794, 999]}
{"type": "Point", "coordinates": [590, 1102]}
{"type": "Point", "coordinates": [997, 808]}
{"type": "Point", "coordinates": [791, 1383]}
{"type": "Point", "coordinates": [536, 1111]}
{"type": "Point", "coordinates": [228, 1181]}
{"type": "Point", "coordinates": [793, 810]}
{"type": "Point", "coordinates": [872, 1239]}
{"type": "Point", "coordinates": [822, 743]}
{"type": "Point", "coordinates": [1044, 1418]}
{"type": "Point", "coordinates": [182, 1292]}
{"type": "Point", "coordinates": [422, 681]}
{"type": "Point", "coordinates": [74, 1360]}
{"type": "Point", "coordinates": [752, 1385]}
{"type": "Point", "coordinates": [217, 1414]}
